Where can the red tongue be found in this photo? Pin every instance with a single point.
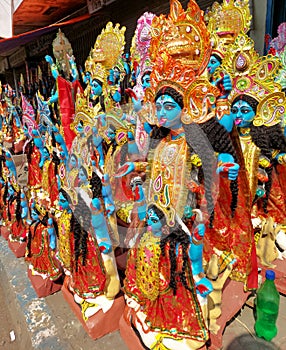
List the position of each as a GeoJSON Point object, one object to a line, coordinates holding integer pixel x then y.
{"type": "Point", "coordinates": [238, 121]}
{"type": "Point", "coordinates": [137, 194]}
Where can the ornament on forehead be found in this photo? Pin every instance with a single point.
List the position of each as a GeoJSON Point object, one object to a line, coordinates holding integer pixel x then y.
{"type": "Point", "coordinates": [254, 76]}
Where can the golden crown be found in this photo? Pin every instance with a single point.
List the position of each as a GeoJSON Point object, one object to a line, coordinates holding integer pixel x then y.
{"type": "Point", "coordinates": [85, 111]}
{"type": "Point", "coordinates": [97, 70]}
{"type": "Point", "coordinates": [225, 22]}
{"type": "Point", "coordinates": [254, 76]}
{"type": "Point", "coordinates": [228, 19]}
{"type": "Point", "coordinates": [62, 49]}
{"type": "Point", "coordinates": [180, 48]}
{"type": "Point", "coordinates": [182, 35]}
{"type": "Point", "coordinates": [109, 45]}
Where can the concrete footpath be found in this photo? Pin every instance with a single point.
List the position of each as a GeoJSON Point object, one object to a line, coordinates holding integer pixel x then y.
{"type": "Point", "coordinates": [49, 323]}
{"type": "Point", "coordinates": [24, 305]}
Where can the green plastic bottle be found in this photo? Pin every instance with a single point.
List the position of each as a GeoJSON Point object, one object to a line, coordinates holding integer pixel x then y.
{"type": "Point", "coordinates": [267, 308]}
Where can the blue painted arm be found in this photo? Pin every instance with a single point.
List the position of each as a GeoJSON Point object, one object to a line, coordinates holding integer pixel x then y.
{"type": "Point", "coordinates": [107, 195]}
{"type": "Point", "coordinates": [52, 234]}
{"type": "Point", "coordinates": [100, 227]}
{"type": "Point", "coordinates": [24, 206]}
{"type": "Point", "coordinates": [227, 164]}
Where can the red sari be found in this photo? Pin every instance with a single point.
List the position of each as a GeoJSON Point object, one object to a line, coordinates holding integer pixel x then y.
{"type": "Point", "coordinates": [40, 255]}
{"type": "Point", "coordinates": [88, 280]}
{"type": "Point", "coordinates": [277, 197]}
{"type": "Point", "coordinates": [178, 316]}
{"type": "Point", "coordinates": [34, 171]}
{"type": "Point", "coordinates": [234, 235]}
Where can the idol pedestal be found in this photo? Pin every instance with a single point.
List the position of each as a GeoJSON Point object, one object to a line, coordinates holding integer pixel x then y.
{"type": "Point", "coordinates": [18, 248]}
{"type": "Point", "coordinates": [5, 232]}
{"type": "Point", "coordinates": [128, 334]}
{"type": "Point", "coordinates": [101, 323]}
{"type": "Point", "coordinates": [44, 286]}
{"type": "Point", "coordinates": [233, 299]}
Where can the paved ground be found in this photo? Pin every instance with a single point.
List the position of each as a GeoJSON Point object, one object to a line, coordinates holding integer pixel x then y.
{"type": "Point", "coordinates": [7, 323]}
{"type": "Point", "coordinates": [48, 323]}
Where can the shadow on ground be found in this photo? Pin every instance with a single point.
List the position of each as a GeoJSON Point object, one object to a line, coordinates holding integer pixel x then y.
{"type": "Point", "coordinates": [248, 342]}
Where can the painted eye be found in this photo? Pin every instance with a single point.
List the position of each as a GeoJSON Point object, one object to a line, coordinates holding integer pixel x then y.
{"type": "Point", "coordinates": [169, 107]}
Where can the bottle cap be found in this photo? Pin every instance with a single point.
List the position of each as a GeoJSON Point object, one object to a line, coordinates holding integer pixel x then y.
{"type": "Point", "coordinates": [270, 275]}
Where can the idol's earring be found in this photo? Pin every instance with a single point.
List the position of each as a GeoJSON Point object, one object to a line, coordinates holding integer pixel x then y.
{"type": "Point", "coordinates": [186, 117]}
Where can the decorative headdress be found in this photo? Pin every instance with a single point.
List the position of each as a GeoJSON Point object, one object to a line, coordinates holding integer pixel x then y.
{"type": "Point", "coordinates": [198, 99]}
{"type": "Point", "coordinates": [28, 116]}
{"type": "Point", "coordinates": [105, 55]}
{"type": "Point", "coordinates": [106, 52]}
{"type": "Point", "coordinates": [97, 70]}
{"type": "Point", "coordinates": [281, 77]}
{"type": "Point", "coordinates": [183, 36]}
{"type": "Point", "coordinates": [226, 21]}
{"type": "Point", "coordinates": [121, 128]}
{"type": "Point", "coordinates": [110, 43]}
{"type": "Point", "coordinates": [254, 76]}
{"type": "Point", "coordinates": [278, 45]}
{"type": "Point", "coordinates": [180, 50]}
{"type": "Point", "coordinates": [71, 193]}
{"type": "Point", "coordinates": [141, 43]}
{"type": "Point", "coordinates": [43, 110]}
{"type": "Point", "coordinates": [61, 50]}
{"type": "Point", "coordinates": [84, 109]}
{"type": "Point", "coordinates": [279, 42]}
{"type": "Point", "coordinates": [83, 115]}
